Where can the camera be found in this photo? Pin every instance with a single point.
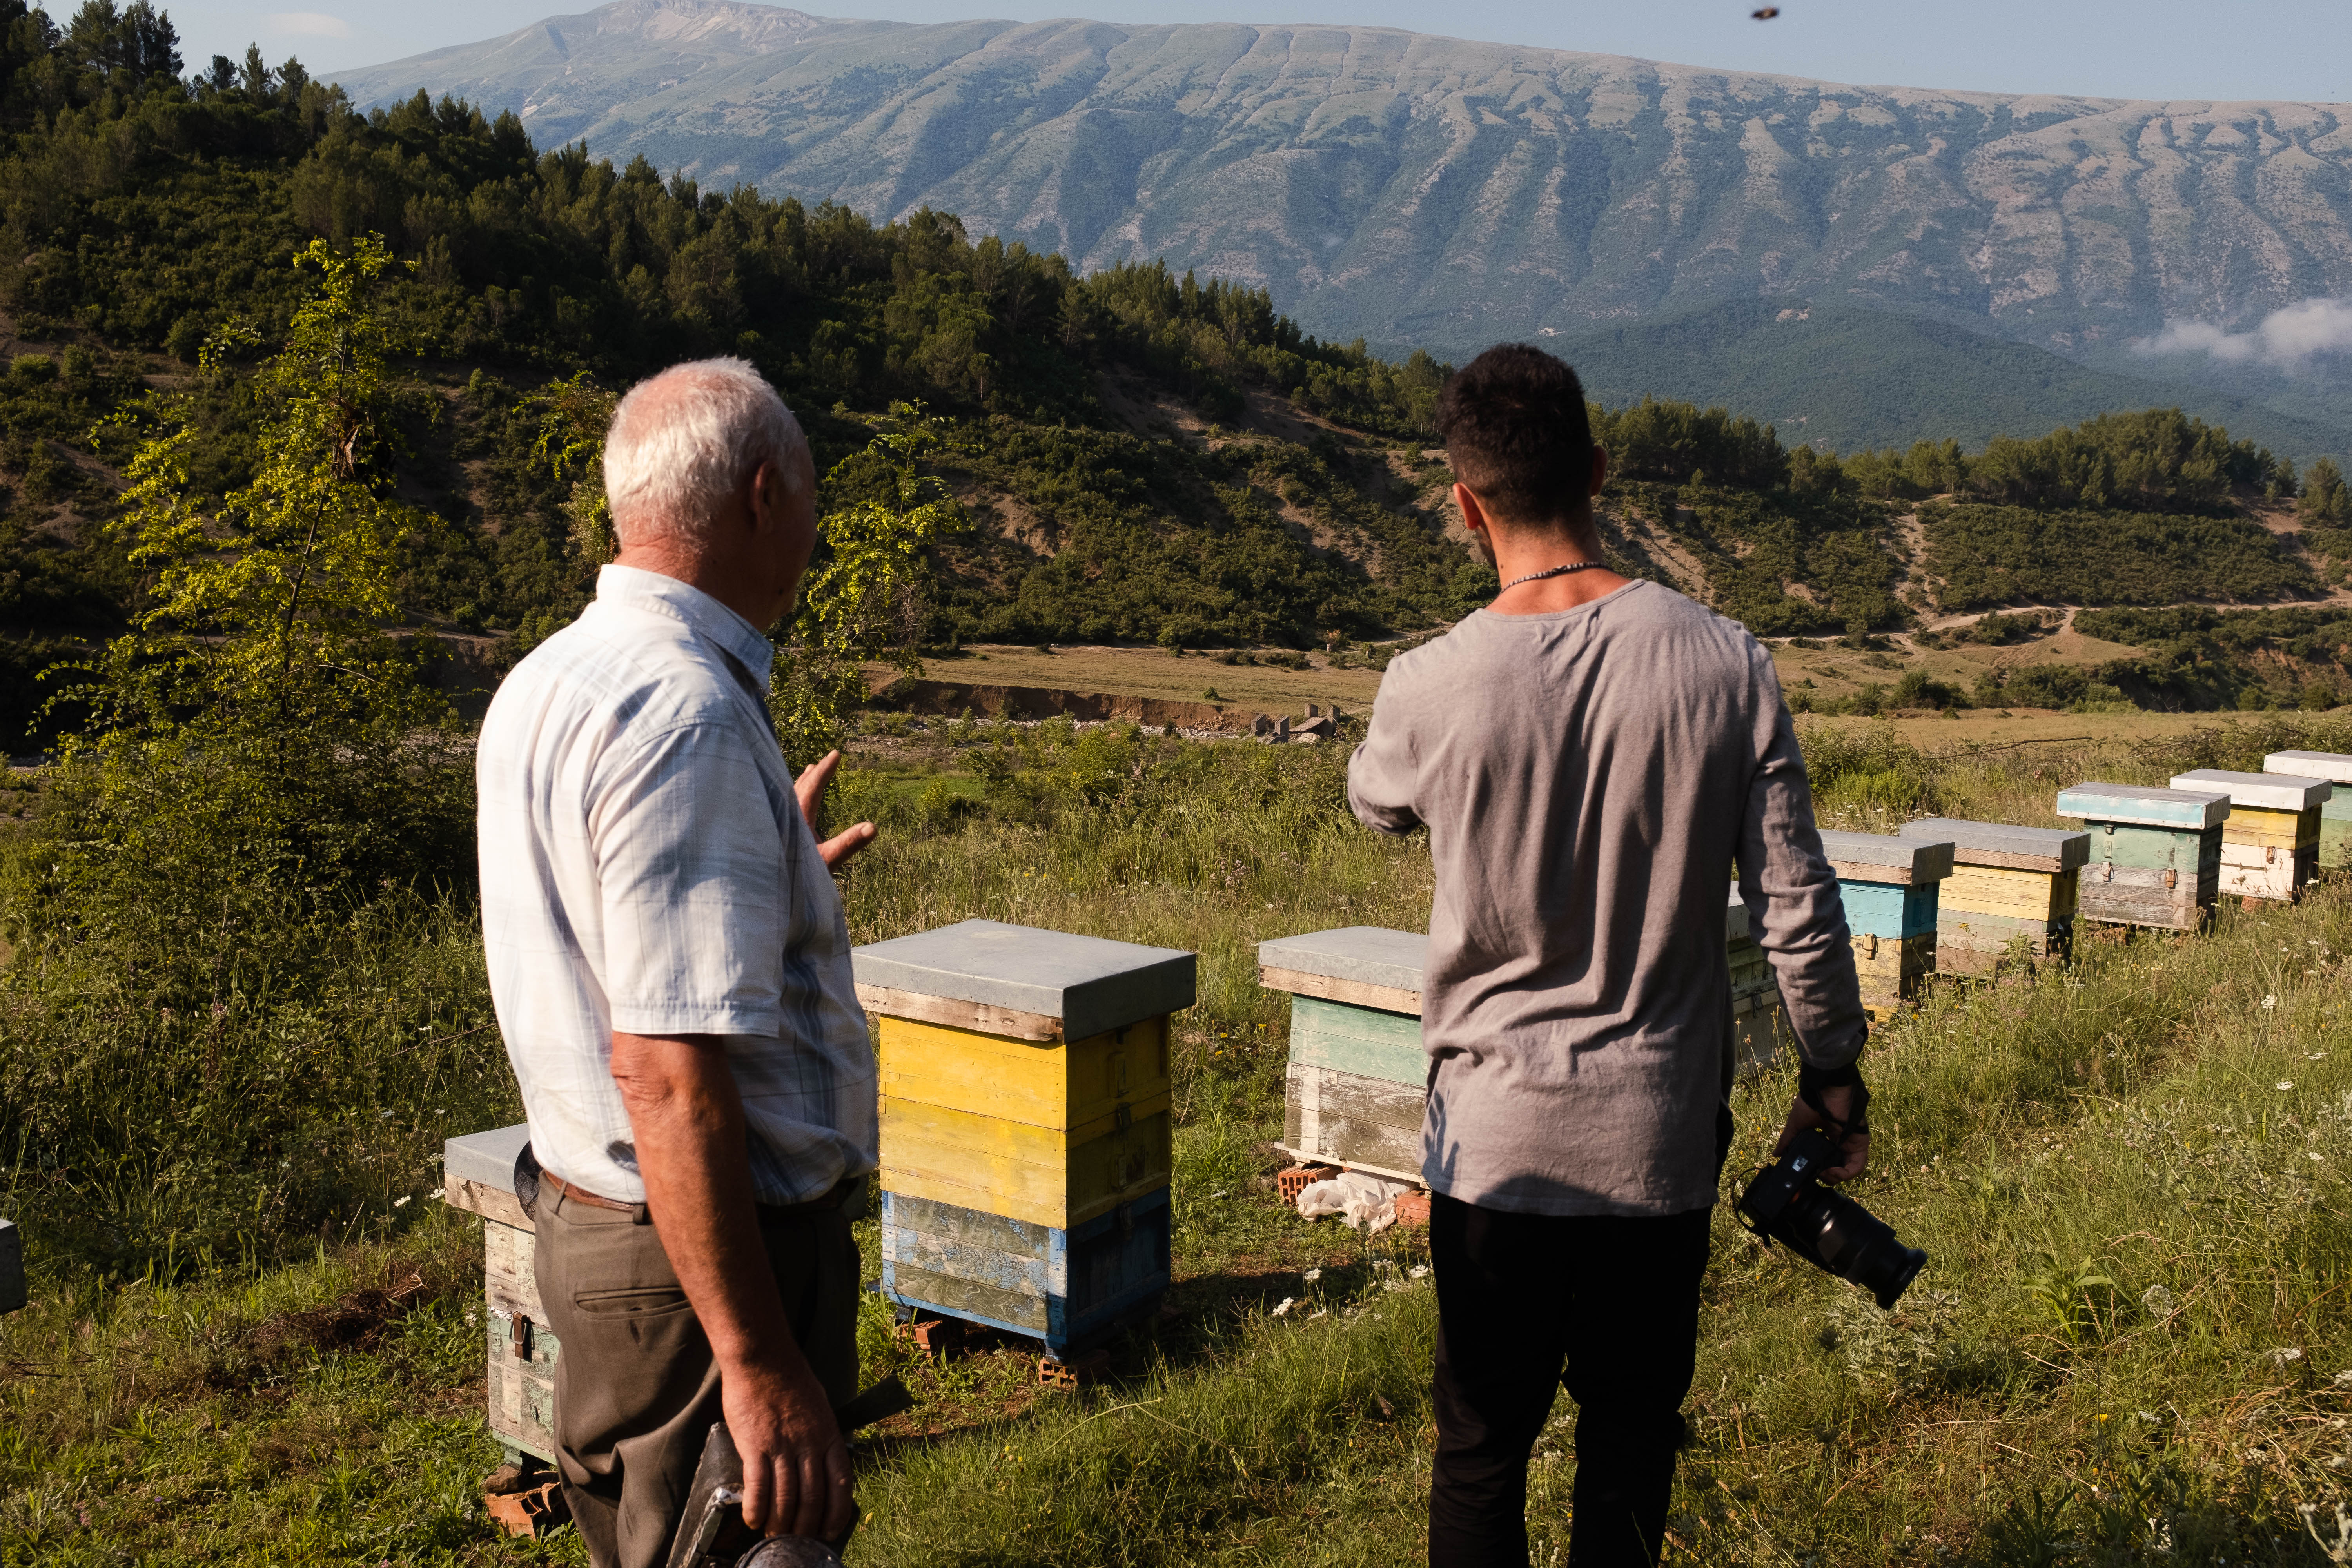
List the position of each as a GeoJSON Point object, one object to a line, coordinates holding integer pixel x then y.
{"type": "Point", "coordinates": [1785, 1202]}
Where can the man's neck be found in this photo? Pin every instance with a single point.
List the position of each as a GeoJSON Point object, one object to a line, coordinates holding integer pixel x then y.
{"type": "Point", "coordinates": [698, 570]}
{"type": "Point", "coordinates": [1518, 553]}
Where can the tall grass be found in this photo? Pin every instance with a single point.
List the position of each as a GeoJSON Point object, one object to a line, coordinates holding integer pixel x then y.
{"type": "Point", "coordinates": [2128, 1173]}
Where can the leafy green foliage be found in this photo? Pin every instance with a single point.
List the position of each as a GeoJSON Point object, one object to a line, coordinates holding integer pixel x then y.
{"type": "Point", "coordinates": [1989, 555]}
{"type": "Point", "coordinates": [2156, 461]}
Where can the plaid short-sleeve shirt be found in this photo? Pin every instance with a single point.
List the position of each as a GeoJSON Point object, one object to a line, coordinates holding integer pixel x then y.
{"type": "Point", "coordinates": [646, 868]}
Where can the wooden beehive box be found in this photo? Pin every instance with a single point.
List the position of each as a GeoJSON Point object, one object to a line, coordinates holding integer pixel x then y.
{"type": "Point", "coordinates": [2270, 840]}
{"type": "Point", "coordinates": [1890, 887]}
{"type": "Point", "coordinates": [1357, 1082]}
{"type": "Point", "coordinates": [2156, 854]}
{"type": "Point", "coordinates": [2335, 812]}
{"type": "Point", "coordinates": [1026, 1138]}
{"type": "Point", "coordinates": [2012, 890]}
{"type": "Point", "coordinates": [477, 1173]}
{"type": "Point", "coordinates": [1760, 1026]}
{"type": "Point", "coordinates": [1357, 1085]}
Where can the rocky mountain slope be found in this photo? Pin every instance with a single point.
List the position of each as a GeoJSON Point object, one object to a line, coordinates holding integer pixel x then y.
{"type": "Point", "coordinates": [1431, 191]}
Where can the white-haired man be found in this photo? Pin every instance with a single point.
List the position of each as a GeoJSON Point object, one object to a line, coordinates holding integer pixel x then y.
{"type": "Point", "coordinates": [670, 964]}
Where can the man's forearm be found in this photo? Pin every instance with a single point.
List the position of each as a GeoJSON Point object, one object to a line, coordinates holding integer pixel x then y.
{"type": "Point", "coordinates": [687, 1121]}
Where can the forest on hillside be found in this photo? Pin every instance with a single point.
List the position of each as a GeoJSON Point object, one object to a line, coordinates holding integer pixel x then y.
{"type": "Point", "coordinates": [1140, 456]}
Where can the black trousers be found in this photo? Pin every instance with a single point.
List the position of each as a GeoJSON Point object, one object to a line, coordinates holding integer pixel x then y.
{"type": "Point", "coordinates": [1608, 1305]}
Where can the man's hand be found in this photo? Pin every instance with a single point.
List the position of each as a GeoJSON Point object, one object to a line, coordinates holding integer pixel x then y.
{"type": "Point", "coordinates": [686, 1117]}
{"type": "Point", "coordinates": [811, 786]}
{"type": "Point", "coordinates": [1841, 1105]}
{"type": "Point", "coordinates": [796, 1464]}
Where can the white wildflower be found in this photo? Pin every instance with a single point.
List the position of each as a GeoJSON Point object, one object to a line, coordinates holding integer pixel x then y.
{"type": "Point", "coordinates": [1420, 1271]}
{"type": "Point", "coordinates": [2286, 1083]}
{"type": "Point", "coordinates": [1282, 1308]}
{"type": "Point", "coordinates": [402, 1201]}
{"type": "Point", "coordinates": [2286, 1355]}
{"type": "Point", "coordinates": [2270, 1002]}
{"type": "Point", "coordinates": [2159, 1301]}
{"type": "Point", "coordinates": [1312, 1275]}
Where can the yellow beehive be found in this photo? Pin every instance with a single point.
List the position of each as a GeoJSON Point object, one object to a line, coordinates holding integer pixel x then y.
{"type": "Point", "coordinates": [1026, 1142]}
{"type": "Point", "coordinates": [2012, 891]}
{"type": "Point", "coordinates": [2270, 841]}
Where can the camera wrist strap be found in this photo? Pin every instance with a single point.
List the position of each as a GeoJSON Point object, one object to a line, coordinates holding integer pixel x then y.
{"type": "Point", "coordinates": [1811, 1081]}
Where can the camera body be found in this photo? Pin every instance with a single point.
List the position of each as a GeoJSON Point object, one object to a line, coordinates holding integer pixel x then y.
{"type": "Point", "coordinates": [1786, 1202]}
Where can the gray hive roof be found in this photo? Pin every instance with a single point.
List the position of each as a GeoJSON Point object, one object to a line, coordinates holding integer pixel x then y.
{"type": "Point", "coordinates": [2259, 792]}
{"type": "Point", "coordinates": [2065, 848]}
{"type": "Point", "coordinates": [1901, 859]}
{"type": "Point", "coordinates": [486, 1159]}
{"type": "Point", "coordinates": [2145, 806]}
{"type": "Point", "coordinates": [1369, 955]}
{"type": "Point", "coordinates": [1090, 984]}
{"type": "Point", "coordinates": [2333, 766]}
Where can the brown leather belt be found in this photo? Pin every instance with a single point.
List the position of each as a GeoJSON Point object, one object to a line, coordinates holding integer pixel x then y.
{"type": "Point", "coordinates": [841, 1193]}
{"type": "Point", "coordinates": [564, 1189]}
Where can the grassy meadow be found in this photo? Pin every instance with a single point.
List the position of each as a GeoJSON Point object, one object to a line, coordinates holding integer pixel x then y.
{"type": "Point", "coordinates": [2132, 1343]}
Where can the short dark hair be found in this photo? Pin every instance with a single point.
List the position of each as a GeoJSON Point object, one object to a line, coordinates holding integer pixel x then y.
{"type": "Point", "coordinates": [1517, 431]}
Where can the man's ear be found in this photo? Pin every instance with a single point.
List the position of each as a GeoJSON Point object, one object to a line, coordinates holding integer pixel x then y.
{"type": "Point", "coordinates": [766, 501]}
{"type": "Point", "coordinates": [1474, 510]}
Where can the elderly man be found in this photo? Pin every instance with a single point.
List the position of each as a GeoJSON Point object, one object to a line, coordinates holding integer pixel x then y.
{"type": "Point", "coordinates": [670, 964]}
{"type": "Point", "coordinates": [1590, 755]}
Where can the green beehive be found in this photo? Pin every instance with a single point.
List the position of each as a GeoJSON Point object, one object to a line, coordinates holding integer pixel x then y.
{"type": "Point", "coordinates": [2156, 854]}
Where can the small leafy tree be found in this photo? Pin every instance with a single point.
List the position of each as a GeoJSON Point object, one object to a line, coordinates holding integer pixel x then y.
{"type": "Point", "coordinates": [863, 600]}
{"type": "Point", "coordinates": [259, 725]}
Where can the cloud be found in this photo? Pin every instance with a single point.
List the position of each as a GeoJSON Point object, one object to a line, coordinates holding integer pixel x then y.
{"type": "Point", "coordinates": [307, 24]}
{"type": "Point", "coordinates": [2286, 340]}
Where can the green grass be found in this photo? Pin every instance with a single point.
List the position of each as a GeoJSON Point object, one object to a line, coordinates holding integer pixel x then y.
{"type": "Point", "coordinates": [2131, 1225]}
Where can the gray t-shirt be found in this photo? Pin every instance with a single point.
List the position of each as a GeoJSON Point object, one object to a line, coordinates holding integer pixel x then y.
{"type": "Point", "coordinates": [1589, 778]}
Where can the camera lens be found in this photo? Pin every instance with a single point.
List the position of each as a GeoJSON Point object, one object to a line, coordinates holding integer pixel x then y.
{"type": "Point", "coordinates": [1852, 1243]}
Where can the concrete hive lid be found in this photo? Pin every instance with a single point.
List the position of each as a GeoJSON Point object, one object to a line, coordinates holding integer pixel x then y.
{"type": "Point", "coordinates": [2334, 766]}
{"type": "Point", "coordinates": [1880, 857]}
{"type": "Point", "coordinates": [1370, 955]}
{"type": "Point", "coordinates": [1090, 984]}
{"type": "Point", "coordinates": [2145, 806]}
{"type": "Point", "coordinates": [2002, 843]}
{"type": "Point", "coordinates": [2260, 791]}
{"type": "Point", "coordinates": [486, 1159]}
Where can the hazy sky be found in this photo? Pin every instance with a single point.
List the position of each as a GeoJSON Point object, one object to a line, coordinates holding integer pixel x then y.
{"type": "Point", "coordinates": [2155, 48]}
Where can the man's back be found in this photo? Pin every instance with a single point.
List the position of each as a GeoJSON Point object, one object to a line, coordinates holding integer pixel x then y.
{"type": "Point", "coordinates": [1589, 778]}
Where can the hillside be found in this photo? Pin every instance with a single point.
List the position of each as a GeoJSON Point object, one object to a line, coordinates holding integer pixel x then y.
{"type": "Point", "coordinates": [1843, 378]}
{"type": "Point", "coordinates": [1141, 456]}
{"type": "Point", "coordinates": [1436, 192]}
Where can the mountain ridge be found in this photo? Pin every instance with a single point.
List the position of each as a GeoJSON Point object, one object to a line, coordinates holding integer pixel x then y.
{"type": "Point", "coordinates": [1444, 193]}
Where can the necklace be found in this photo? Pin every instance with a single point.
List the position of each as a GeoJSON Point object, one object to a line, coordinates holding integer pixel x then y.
{"type": "Point", "coordinates": [1554, 572]}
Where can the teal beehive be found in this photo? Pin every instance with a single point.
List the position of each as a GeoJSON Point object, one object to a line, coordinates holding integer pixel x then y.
{"type": "Point", "coordinates": [2156, 854]}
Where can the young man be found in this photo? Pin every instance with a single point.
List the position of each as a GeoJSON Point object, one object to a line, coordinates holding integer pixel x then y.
{"type": "Point", "coordinates": [670, 964]}
{"type": "Point", "coordinates": [1590, 756]}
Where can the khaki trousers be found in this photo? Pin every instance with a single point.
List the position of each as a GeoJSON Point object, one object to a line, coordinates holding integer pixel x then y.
{"type": "Point", "coordinates": [636, 1390]}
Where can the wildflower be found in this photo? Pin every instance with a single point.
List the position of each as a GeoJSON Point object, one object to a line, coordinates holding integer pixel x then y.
{"type": "Point", "coordinates": [1282, 1308]}
{"type": "Point", "coordinates": [402, 1201]}
{"type": "Point", "coordinates": [2286, 1355]}
{"type": "Point", "coordinates": [1420, 1271]}
{"type": "Point", "coordinates": [2286, 1083]}
{"type": "Point", "coordinates": [2270, 1002]}
{"type": "Point", "coordinates": [1312, 1275]}
{"type": "Point", "coordinates": [2158, 1300]}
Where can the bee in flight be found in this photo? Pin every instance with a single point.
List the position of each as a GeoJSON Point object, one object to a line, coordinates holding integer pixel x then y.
{"type": "Point", "coordinates": [1765, 13]}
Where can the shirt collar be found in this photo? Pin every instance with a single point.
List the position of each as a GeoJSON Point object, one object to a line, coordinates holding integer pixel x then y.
{"type": "Point", "coordinates": [635, 588]}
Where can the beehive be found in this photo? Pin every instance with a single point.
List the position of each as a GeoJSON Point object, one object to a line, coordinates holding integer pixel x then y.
{"type": "Point", "coordinates": [1758, 1025]}
{"type": "Point", "coordinates": [478, 1173]}
{"type": "Point", "coordinates": [1890, 887]}
{"type": "Point", "coordinates": [2270, 840]}
{"type": "Point", "coordinates": [2335, 812]}
{"type": "Point", "coordinates": [2156, 854]}
{"type": "Point", "coordinates": [2012, 890]}
{"type": "Point", "coordinates": [1026, 1125]}
{"type": "Point", "coordinates": [1357, 1080]}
